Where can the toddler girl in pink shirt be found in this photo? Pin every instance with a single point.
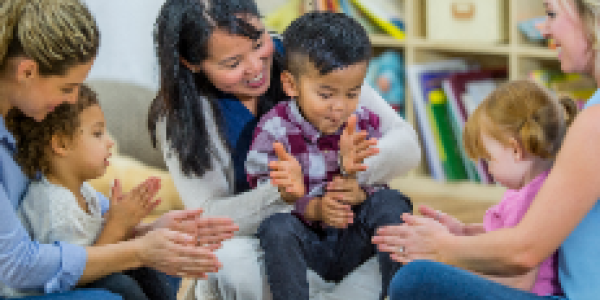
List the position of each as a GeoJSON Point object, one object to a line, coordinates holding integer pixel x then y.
{"type": "Point", "coordinates": [517, 130]}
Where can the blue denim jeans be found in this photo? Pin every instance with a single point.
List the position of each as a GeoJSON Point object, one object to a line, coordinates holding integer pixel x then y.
{"type": "Point", "coordinates": [87, 294]}
{"type": "Point", "coordinates": [426, 280]}
{"type": "Point", "coordinates": [138, 284]}
{"type": "Point", "coordinates": [142, 283]}
{"type": "Point", "coordinates": [291, 247]}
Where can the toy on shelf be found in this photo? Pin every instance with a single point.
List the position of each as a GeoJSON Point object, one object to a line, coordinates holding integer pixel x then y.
{"type": "Point", "coordinates": [531, 29]}
{"type": "Point", "coordinates": [386, 76]}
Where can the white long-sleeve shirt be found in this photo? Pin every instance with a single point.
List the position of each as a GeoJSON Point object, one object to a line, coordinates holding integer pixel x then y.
{"type": "Point", "coordinates": [51, 214]}
{"type": "Point", "coordinates": [399, 152]}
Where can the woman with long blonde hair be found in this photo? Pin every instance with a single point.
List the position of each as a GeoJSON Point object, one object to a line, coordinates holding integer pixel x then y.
{"type": "Point", "coordinates": [564, 215]}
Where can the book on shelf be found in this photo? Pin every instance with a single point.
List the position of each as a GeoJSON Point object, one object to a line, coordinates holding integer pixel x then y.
{"type": "Point", "coordinates": [351, 10]}
{"type": "Point", "coordinates": [420, 102]}
{"type": "Point", "coordinates": [385, 14]}
{"type": "Point", "coordinates": [376, 16]}
{"type": "Point", "coordinates": [455, 87]}
{"type": "Point", "coordinates": [446, 142]}
{"type": "Point", "coordinates": [457, 121]}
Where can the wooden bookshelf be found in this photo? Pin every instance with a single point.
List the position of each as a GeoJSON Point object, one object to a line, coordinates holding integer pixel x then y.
{"type": "Point", "coordinates": [517, 54]}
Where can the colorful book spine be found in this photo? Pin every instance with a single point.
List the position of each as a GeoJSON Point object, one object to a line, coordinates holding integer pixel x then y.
{"type": "Point", "coordinates": [448, 145]}
{"type": "Point", "coordinates": [389, 23]}
{"type": "Point", "coordinates": [457, 119]}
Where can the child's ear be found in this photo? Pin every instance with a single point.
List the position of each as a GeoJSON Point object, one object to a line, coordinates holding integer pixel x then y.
{"type": "Point", "coordinates": [59, 145]}
{"type": "Point", "coordinates": [517, 148]}
{"type": "Point", "coordinates": [290, 86]}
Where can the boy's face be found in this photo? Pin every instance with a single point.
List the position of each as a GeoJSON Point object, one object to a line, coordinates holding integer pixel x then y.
{"type": "Point", "coordinates": [326, 101]}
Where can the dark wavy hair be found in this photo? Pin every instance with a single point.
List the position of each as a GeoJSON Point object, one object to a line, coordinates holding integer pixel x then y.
{"type": "Point", "coordinates": [330, 41]}
{"type": "Point", "coordinates": [183, 30]}
{"type": "Point", "coordinates": [33, 138]}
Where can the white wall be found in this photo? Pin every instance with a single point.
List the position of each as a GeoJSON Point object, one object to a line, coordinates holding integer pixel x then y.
{"type": "Point", "coordinates": [266, 6]}
{"type": "Point", "coordinates": [126, 41]}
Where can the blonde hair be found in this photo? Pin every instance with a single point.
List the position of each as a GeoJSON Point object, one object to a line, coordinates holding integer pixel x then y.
{"type": "Point", "coordinates": [589, 12]}
{"type": "Point", "coordinates": [522, 110]}
{"type": "Point", "coordinates": [56, 34]}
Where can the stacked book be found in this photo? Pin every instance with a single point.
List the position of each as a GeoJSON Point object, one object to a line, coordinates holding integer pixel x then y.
{"type": "Point", "coordinates": [445, 93]}
{"type": "Point", "coordinates": [376, 16]}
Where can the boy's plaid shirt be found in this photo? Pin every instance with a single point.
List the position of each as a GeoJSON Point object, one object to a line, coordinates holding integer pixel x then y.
{"type": "Point", "coordinates": [316, 153]}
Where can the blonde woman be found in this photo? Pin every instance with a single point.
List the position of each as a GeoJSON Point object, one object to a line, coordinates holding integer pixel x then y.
{"type": "Point", "coordinates": [565, 214]}
{"type": "Point", "coordinates": [47, 48]}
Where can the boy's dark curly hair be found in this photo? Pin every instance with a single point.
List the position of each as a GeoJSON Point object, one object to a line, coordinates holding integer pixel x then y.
{"type": "Point", "coordinates": [330, 41]}
{"type": "Point", "coordinates": [34, 138]}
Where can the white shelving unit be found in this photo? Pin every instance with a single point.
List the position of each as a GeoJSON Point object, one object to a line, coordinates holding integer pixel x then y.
{"type": "Point", "coordinates": [516, 54]}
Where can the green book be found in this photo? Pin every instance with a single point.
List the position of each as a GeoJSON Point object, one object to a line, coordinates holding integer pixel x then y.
{"type": "Point", "coordinates": [452, 161]}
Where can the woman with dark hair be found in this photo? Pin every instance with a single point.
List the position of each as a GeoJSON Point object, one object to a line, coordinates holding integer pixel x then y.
{"type": "Point", "coordinates": [219, 72]}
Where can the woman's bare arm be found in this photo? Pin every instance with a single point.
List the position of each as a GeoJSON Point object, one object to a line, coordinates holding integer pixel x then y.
{"type": "Point", "coordinates": [570, 192]}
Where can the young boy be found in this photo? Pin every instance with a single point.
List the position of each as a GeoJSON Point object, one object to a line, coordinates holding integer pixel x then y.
{"type": "Point", "coordinates": [326, 62]}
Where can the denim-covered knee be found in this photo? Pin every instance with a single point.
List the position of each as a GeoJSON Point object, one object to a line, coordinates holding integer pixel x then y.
{"type": "Point", "coordinates": [121, 284]}
{"type": "Point", "coordinates": [278, 227]}
{"type": "Point", "coordinates": [390, 201]}
{"type": "Point", "coordinates": [415, 278]}
{"type": "Point", "coordinates": [90, 294]}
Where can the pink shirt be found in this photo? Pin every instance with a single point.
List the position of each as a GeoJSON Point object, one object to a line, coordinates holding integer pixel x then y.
{"type": "Point", "coordinates": [508, 213]}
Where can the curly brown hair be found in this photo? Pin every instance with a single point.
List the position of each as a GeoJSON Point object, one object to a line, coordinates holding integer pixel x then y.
{"type": "Point", "coordinates": [34, 138]}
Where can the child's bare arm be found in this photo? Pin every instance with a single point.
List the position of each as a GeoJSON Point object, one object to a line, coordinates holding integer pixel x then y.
{"type": "Point", "coordinates": [454, 226]}
{"type": "Point", "coordinates": [127, 211]}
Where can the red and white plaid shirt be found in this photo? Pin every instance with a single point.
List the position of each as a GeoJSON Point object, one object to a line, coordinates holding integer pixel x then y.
{"type": "Point", "coordinates": [317, 153]}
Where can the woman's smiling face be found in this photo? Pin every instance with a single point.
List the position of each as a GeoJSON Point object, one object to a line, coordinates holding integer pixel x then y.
{"type": "Point", "coordinates": [565, 26]}
{"type": "Point", "coordinates": [238, 65]}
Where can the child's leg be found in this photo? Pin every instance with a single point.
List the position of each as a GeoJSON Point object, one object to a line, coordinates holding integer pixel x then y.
{"type": "Point", "coordinates": [290, 249]}
{"type": "Point", "coordinates": [354, 247]}
{"type": "Point", "coordinates": [120, 284]}
{"type": "Point", "coordinates": [155, 285]}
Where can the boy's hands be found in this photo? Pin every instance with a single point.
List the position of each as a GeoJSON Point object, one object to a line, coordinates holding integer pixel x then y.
{"type": "Point", "coordinates": [128, 210]}
{"type": "Point", "coordinates": [333, 212]}
{"type": "Point", "coordinates": [286, 173]}
{"type": "Point", "coordinates": [354, 148]}
{"type": "Point", "coordinates": [346, 190]}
